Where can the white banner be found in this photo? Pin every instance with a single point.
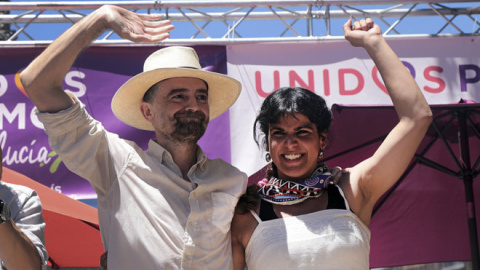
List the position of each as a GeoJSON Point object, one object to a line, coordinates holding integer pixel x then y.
{"type": "Point", "coordinates": [446, 69]}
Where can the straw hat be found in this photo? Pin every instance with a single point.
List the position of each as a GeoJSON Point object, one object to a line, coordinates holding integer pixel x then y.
{"type": "Point", "coordinates": [167, 63]}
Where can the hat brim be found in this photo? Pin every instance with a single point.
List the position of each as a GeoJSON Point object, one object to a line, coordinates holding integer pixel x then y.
{"type": "Point", "coordinates": [223, 91]}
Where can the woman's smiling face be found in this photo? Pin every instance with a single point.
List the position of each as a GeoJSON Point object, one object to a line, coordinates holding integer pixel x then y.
{"type": "Point", "coordinates": [294, 144]}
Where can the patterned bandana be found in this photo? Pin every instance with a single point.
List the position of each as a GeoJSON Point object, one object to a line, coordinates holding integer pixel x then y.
{"type": "Point", "coordinates": [278, 191]}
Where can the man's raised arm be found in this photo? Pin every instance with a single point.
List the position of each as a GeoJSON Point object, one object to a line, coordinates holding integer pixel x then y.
{"type": "Point", "coordinates": [43, 78]}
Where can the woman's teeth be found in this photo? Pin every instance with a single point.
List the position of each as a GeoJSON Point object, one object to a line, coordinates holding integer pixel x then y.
{"type": "Point", "coordinates": [292, 157]}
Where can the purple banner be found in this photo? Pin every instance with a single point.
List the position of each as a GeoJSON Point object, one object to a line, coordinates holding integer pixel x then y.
{"type": "Point", "coordinates": [94, 78]}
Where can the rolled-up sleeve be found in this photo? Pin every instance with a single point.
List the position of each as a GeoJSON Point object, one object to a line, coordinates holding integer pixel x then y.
{"type": "Point", "coordinates": [86, 147]}
{"type": "Point", "coordinates": [29, 219]}
{"type": "Point", "coordinates": [26, 211]}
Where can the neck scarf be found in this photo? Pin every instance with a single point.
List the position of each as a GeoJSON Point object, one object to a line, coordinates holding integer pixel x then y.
{"type": "Point", "coordinates": [283, 192]}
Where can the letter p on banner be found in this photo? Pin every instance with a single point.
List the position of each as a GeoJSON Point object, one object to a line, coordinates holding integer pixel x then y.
{"type": "Point", "coordinates": [463, 75]}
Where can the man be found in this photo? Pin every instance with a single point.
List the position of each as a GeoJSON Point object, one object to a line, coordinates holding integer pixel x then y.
{"type": "Point", "coordinates": [165, 208]}
{"type": "Point", "coordinates": [22, 244]}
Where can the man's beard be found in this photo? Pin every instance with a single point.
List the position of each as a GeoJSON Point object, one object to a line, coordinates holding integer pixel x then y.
{"type": "Point", "coordinates": [189, 130]}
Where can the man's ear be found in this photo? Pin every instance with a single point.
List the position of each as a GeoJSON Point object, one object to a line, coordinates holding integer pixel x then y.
{"type": "Point", "coordinates": [147, 111]}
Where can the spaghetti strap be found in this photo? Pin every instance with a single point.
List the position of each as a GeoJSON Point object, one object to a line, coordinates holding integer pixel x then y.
{"type": "Point", "coordinates": [345, 199]}
{"type": "Point", "coordinates": [256, 216]}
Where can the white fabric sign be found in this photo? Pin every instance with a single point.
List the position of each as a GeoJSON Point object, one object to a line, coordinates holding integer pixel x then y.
{"type": "Point", "coordinates": [446, 69]}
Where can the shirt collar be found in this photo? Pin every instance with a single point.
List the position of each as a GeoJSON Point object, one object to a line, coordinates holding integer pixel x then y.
{"type": "Point", "coordinates": [201, 158]}
{"type": "Point", "coordinates": [162, 154]}
{"type": "Point", "coordinates": [157, 151]}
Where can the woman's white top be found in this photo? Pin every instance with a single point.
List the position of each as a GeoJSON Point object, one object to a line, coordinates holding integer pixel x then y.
{"type": "Point", "coordinates": [327, 239]}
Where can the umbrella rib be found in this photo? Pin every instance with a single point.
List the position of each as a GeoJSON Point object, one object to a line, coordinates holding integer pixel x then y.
{"type": "Point", "coordinates": [472, 124]}
{"type": "Point", "coordinates": [477, 132]}
{"type": "Point", "coordinates": [474, 169]}
{"type": "Point", "coordinates": [437, 166]}
{"type": "Point", "coordinates": [434, 165]}
{"type": "Point", "coordinates": [427, 162]}
{"type": "Point", "coordinates": [440, 135]}
{"type": "Point", "coordinates": [381, 138]}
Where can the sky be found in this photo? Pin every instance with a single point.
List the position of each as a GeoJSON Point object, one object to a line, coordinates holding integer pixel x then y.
{"type": "Point", "coordinates": [216, 29]}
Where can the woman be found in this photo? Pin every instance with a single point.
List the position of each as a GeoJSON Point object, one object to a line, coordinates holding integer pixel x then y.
{"type": "Point", "coordinates": [283, 223]}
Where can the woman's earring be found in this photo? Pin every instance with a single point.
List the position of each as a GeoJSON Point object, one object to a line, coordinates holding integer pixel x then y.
{"type": "Point", "coordinates": [320, 155]}
{"type": "Point", "coordinates": [268, 158]}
